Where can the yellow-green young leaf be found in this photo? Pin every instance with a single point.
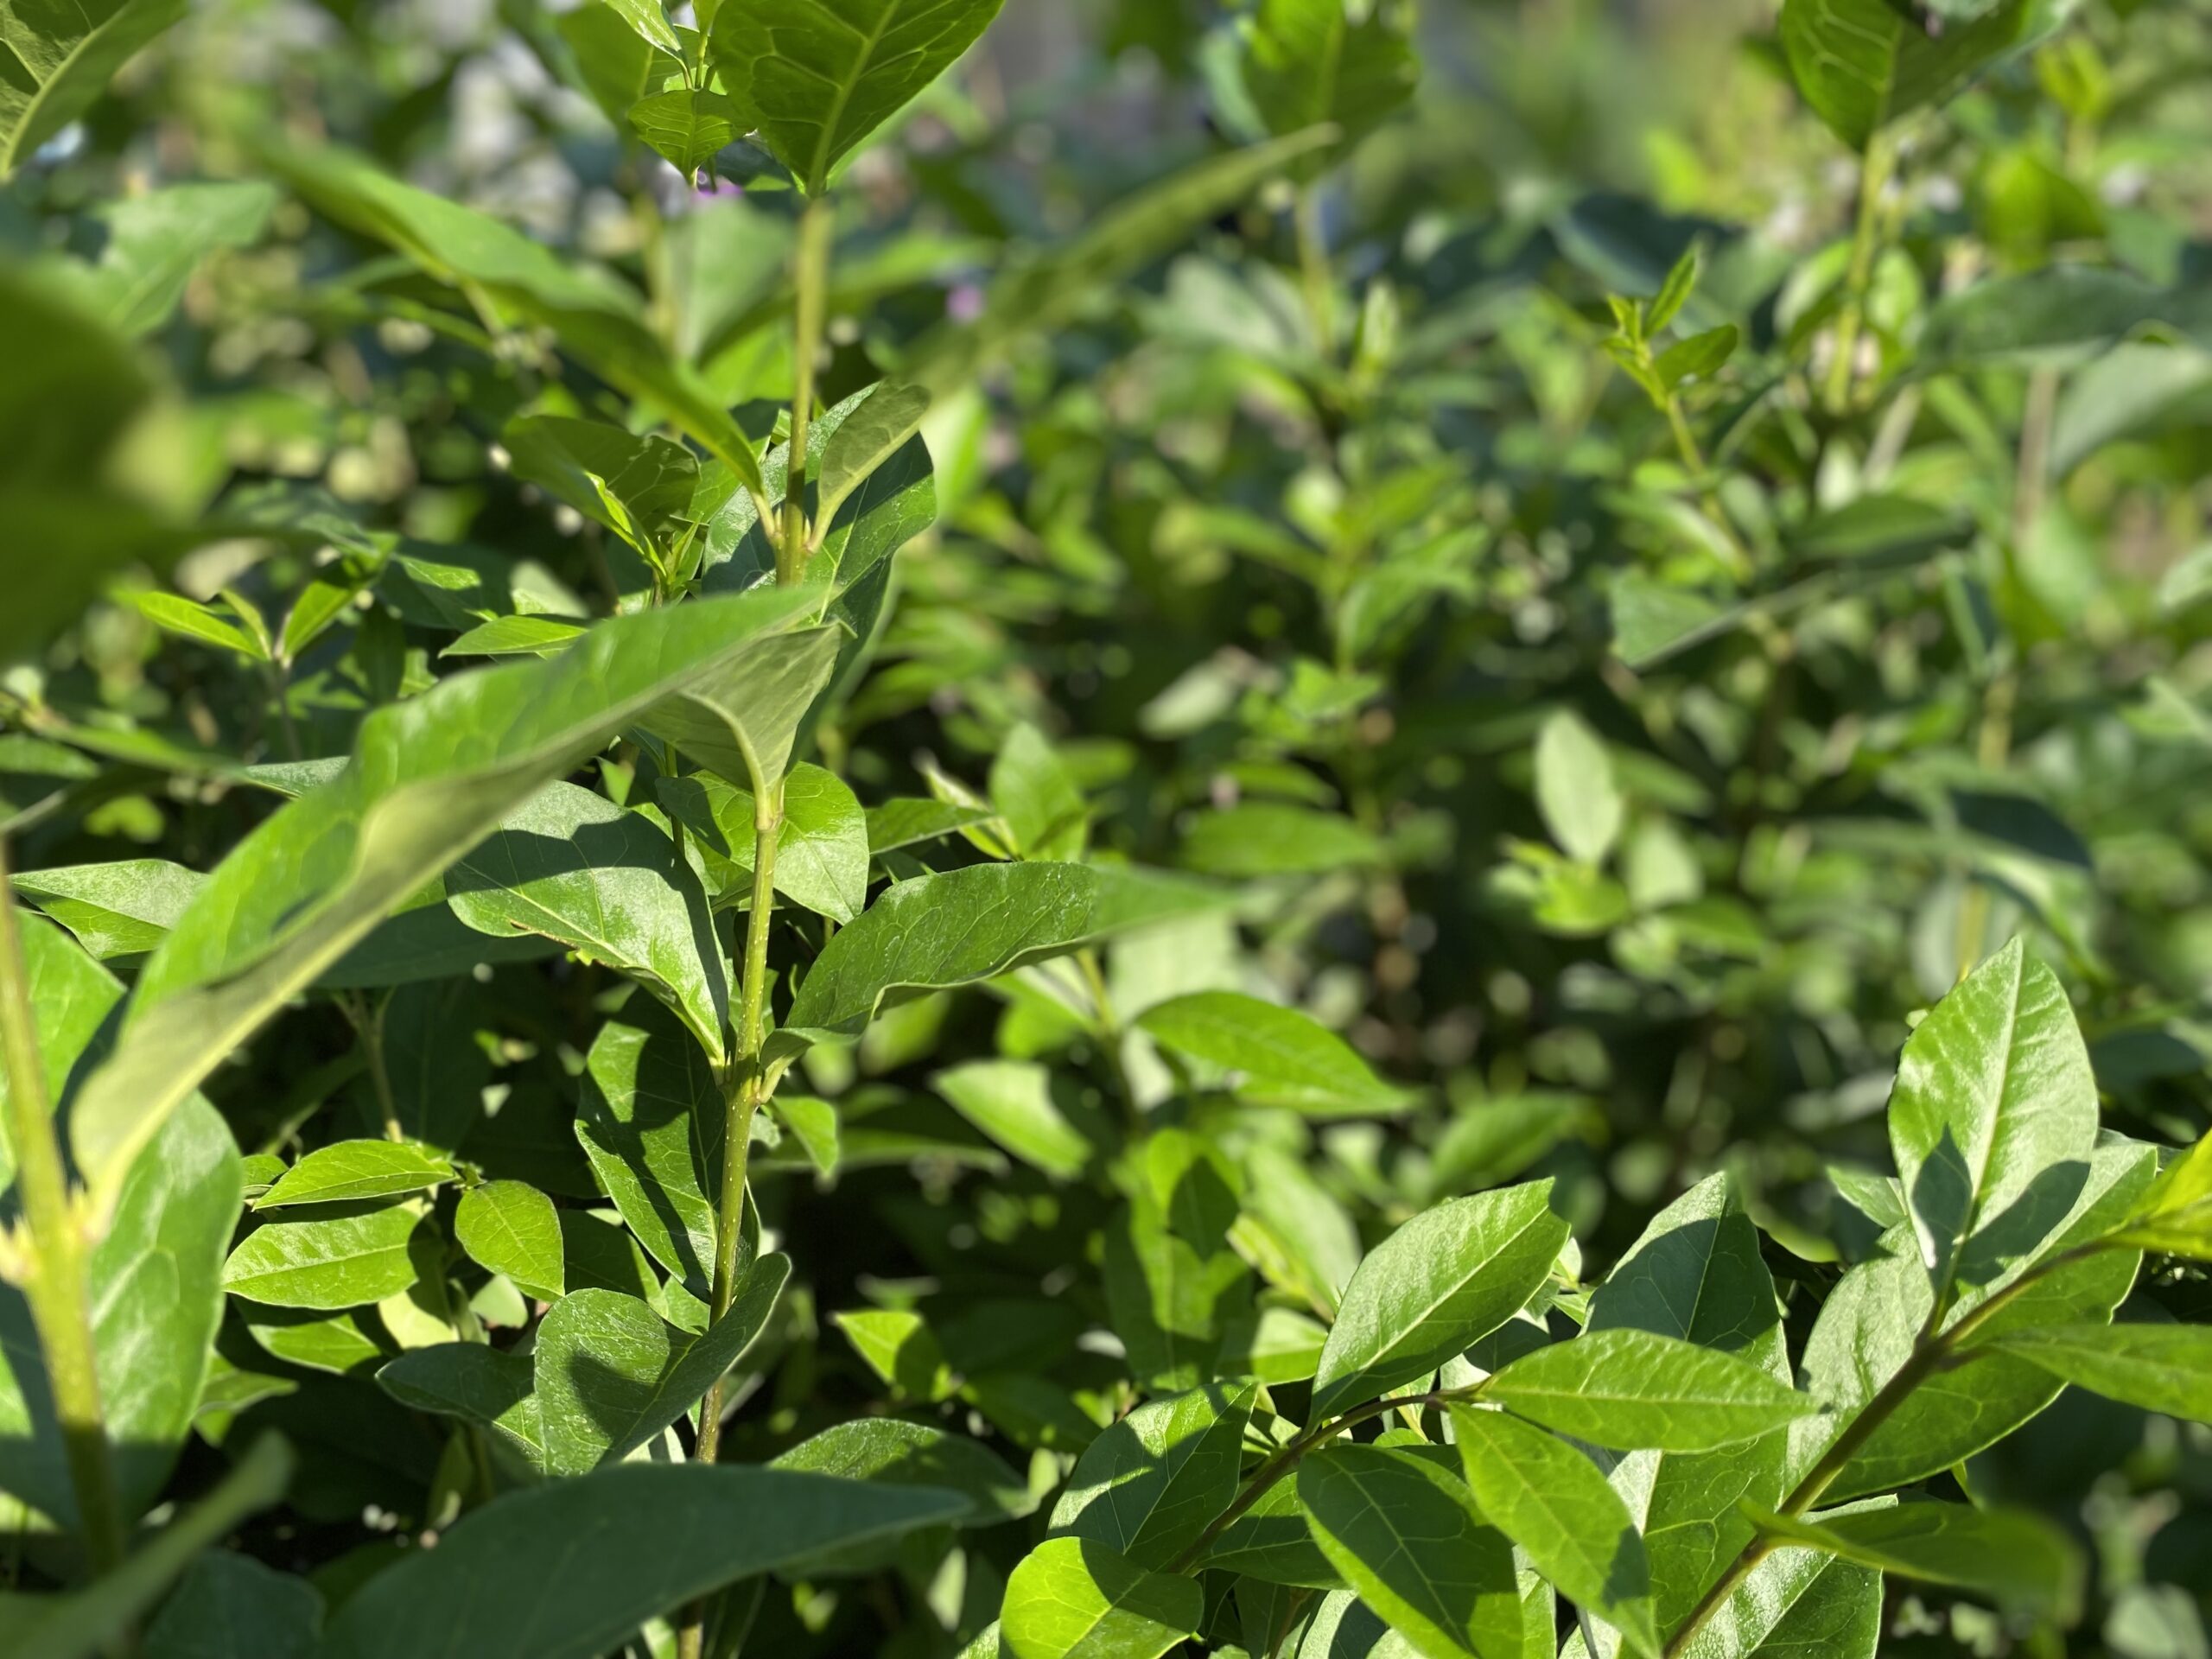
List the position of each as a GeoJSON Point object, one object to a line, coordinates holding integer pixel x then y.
{"type": "Point", "coordinates": [1862, 64]}
{"type": "Point", "coordinates": [1575, 791]}
{"type": "Point", "coordinates": [900, 1349]}
{"type": "Point", "coordinates": [661, 1535]}
{"type": "Point", "coordinates": [2014, 1557]}
{"type": "Point", "coordinates": [1992, 1120]}
{"type": "Point", "coordinates": [98, 1618]}
{"type": "Point", "coordinates": [61, 59]}
{"type": "Point", "coordinates": [1150, 1484]}
{"type": "Point", "coordinates": [650, 22]}
{"type": "Point", "coordinates": [610, 1373]}
{"type": "Point", "coordinates": [2159, 1367]}
{"type": "Point", "coordinates": [1287, 1056]}
{"type": "Point", "coordinates": [352, 1170]}
{"type": "Point", "coordinates": [510, 1227]}
{"type": "Point", "coordinates": [340, 1255]}
{"type": "Point", "coordinates": [1013, 1102]}
{"type": "Point", "coordinates": [1077, 1599]}
{"type": "Point", "coordinates": [651, 1119]}
{"type": "Point", "coordinates": [514, 636]}
{"type": "Point", "coordinates": [153, 1279]}
{"type": "Point", "coordinates": [1549, 1498]}
{"type": "Point", "coordinates": [2174, 1218]}
{"type": "Point", "coordinates": [960, 926]}
{"type": "Point", "coordinates": [1632, 1389]}
{"type": "Point", "coordinates": [429, 778]}
{"type": "Point", "coordinates": [572, 866]}
{"type": "Point", "coordinates": [189, 619]}
{"type": "Point", "coordinates": [815, 80]}
{"type": "Point", "coordinates": [1451, 1275]}
{"type": "Point", "coordinates": [342, 1343]}
{"type": "Point", "coordinates": [686, 128]}
{"type": "Point", "coordinates": [1407, 1535]}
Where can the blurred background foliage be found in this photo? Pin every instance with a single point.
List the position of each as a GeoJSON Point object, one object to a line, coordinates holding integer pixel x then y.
{"type": "Point", "coordinates": [1621, 765]}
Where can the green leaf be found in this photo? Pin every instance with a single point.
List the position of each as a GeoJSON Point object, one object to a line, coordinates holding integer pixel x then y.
{"type": "Point", "coordinates": [1262, 838]}
{"type": "Point", "coordinates": [222, 1596]}
{"type": "Point", "coordinates": [1175, 1285]}
{"type": "Point", "coordinates": [97, 1619]}
{"type": "Point", "coordinates": [895, 1452]}
{"type": "Point", "coordinates": [1697, 1274]}
{"type": "Point", "coordinates": [2175, 1216]}
{"type": "Point", "coordinates": [598, 320]}
{"type": "Point", "coordinates": [639, 488]}
{"type": "Point", "coordinates": [822, 849]}
{"type": "Point", "coordinates": [611, 1373]}
{"type": "Point", "coordinates": [1012, 1101]}
{"type": "Point", "coordinates": [1549, 1499]}
{"type": "Point", "coordinates": [155, 240]}
{"type": "Point", "coordinates": [1630, 1389]}
{"type": "Point", "coordinates": [1696, 357]}
{"type": "Point", "coordinates": [1306, 63]}
{"type": "Point", "coordinates": [1992, 1120]}
{"type": "Point", "coordinates": [572, 866]}
{"type": "Point", "coordinates": [1863, 64]}
{"type": "Point", "coordinates": [478, 1384]}
{"type": "Point", "coordinates": [514, 636]}
{"type": "Point", "coordinates": [352, 1170]}
{"type": "Point", "coordinates": [2164, 1367]}
{"type": "Point", "coordinates": [1448, 1278]}
{"type": "Point", "coordinates": [815, 80]}
{"type": "Point", "coordinates": [1407, 1535]}
{"type": "Point", "coordinates": [1150, 1484]}
{"type": "Point", "coordinates": [1287, 1056]}
{"type": "Point", "coordinates": [510, 1227]}
{"type": "Point", "coordinates": [429, 778]}
{"type": "Point", "coordinates": [901, 1349]}
{"type": "Point", "coordinates": [1874, 1316]}
{"type": "Point", "coordinates": [658, 1534]}
{"type": "Point", "coordinates": [885, 417]}
{"type": "Point", "coordinates": [652, 1123]}
{"type": "Point", "coordinates": [1038, 798]}
{"type": "Point", "coordinates": [1575, 791]}
{"type": "Point", "coordinates": [337, 1343]}
{"type": "Point", "coordinates": [1077, 1599]}
{"type": "Point", "coordinates": [2014, 1557]}
{"type": "Point", "coordinates": [650, 22]}
{"type": "Point", "coordinates": [908, 822]}
{"type": "Point", "coordinates": [1794, 1602]}
{"type": "Point", "coordinates": [1674, 292]}
{"type": "Point", "coordinates": [741, 723]}
{"type": "Point", "coordinates": [342, 1257]}
{"type": "Point", "coordinates": [62, 58]}
{"type": "Point", "coordinates": [122, 909]}
{"type": "Point", "coordinates": [960, 926]}
{"type": "Point", "coordinates": [609, 60]}
{"type": "Point", "coordinates": [153, 1279]}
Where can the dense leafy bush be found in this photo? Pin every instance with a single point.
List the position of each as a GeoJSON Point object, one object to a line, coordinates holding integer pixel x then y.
{"type": "Point", "coordinates": [1444, 891]}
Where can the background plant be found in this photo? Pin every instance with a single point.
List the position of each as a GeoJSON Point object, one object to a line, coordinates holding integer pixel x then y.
{"type": "Point", "coordinates": [1234, 988]}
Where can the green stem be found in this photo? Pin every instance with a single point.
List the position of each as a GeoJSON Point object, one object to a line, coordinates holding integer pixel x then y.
{"type": "Point", "coordinates": [1936, 1351]}
{"type": "Point", "coordinates": [811, 277]}
{"type": "Point", "coordinates": [1874, 174]}
{"type": "Point", "coordinates": [54, 1258]}
{"type": "Point", "coordinates": [368, 1026]}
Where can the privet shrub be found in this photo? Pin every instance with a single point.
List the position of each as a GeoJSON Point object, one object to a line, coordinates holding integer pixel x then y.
{"type": "Point", "coordinates": [1178, 907]}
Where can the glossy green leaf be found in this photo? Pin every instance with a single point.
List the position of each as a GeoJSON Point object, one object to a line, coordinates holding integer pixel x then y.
{"type": "Point", "coordinates": [429, 778]}
{"type": "Point", "coordinates": [951, 929]}
{"type": "Point", "coordinates": [1448, 1277]}
{"type": "Point", "coordinates": [61, 59]}
{"type": "Point", "coordinates": [514, 636]}
{"type": "Point", "coordinates": [152, 1279]}
{"type": "Point", "coordinates": [1287, 1056]}
{"type": "Point", "coordinates": [909, 822]}
{"type": "Point", "coordinates": [1629, 1389]}
{"type": "Point", "coordinates": [657, 1535]}
{"type": "Point", "coordinates": [122, 909]}
{"type": "Point", "coordinates": [893, 1451]}
{"type": "Point", "coordinates": [816, 79]}
{"type": "Point", "coordinates": [2175, 1216]}
{"type": "Point", "coordinates": [1078, 1598]}
{"type": "Point", "coordinates": [610, 886]}
{"type": "Point", "coordinates": [2164, 1367]}
{"type": "Point", "coordinates": [1551, 1500]}
{"type": "Point", "coordinates": [1150, 1484]}
{"type": "Point", "coordinates": [650, 22]}
{"type": "Point", "coordinates": [2015, 1557]}
{"type": "Point", "coordinates": [1992, 1120]}
{"type": "Point", "coordinates": [348, 1171]}
{"type": "Point", "coordinates": [1794, 1602]}
{"type": "Point", "coordinates": [340, 1255]}
{"type": "Point", "coordinates": [510, 1227]}
{"type": "Point", "coordinates": [477, 1384]}
{"type": "Point", "coordinates": [611, 1373]}
{"type": "Point", "coordinates": [1407, 1535]}
{"type": "Point", "coordinates": [1863, 64]}
{"type": "Point", "coordinates": [651, 1119]}
{"type": "Point", "coordinates": [741, 723]}
{"type": "Point", "coordinates": [900, 1347]}
{"type": "Point", "coordinates": [883, 419]}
